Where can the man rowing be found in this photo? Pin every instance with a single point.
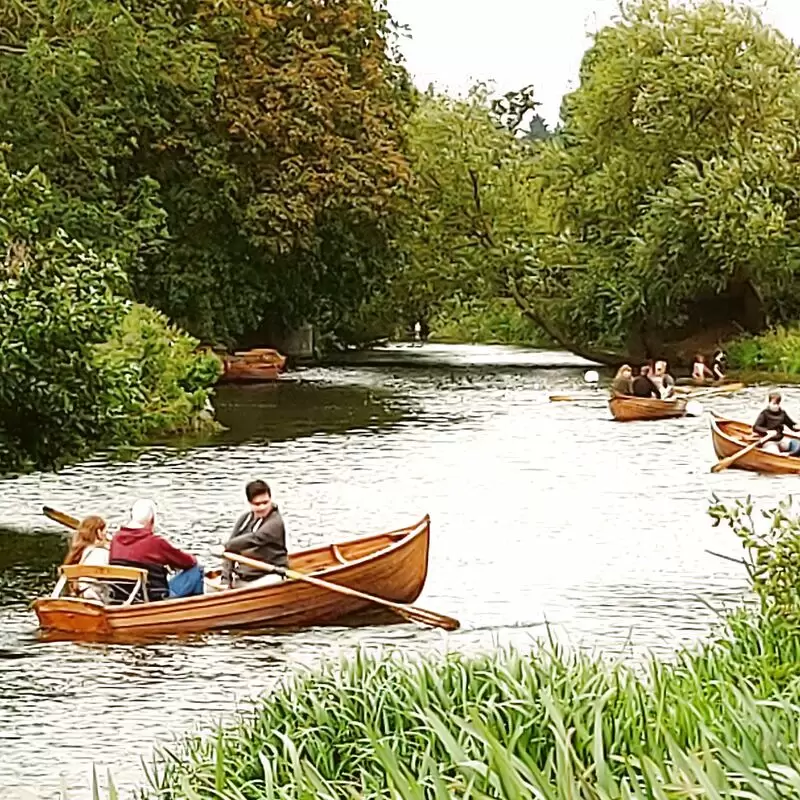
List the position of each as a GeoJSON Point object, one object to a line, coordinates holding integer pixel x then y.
{"type": "Point", "coordinates": [772, 420]}
{"type": "Point", "coordinates": [258, 534]}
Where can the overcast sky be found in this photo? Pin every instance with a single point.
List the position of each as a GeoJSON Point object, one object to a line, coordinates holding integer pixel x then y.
{"type": "Point", "coordinates": [454, 43]}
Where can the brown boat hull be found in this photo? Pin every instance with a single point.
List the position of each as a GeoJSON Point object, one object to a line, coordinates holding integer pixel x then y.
{"type": "Point", "coordinates": [728, 437]}
{"type": "Point", "coordinates": [253, 366]}
{"type": "Point", "coordinates": [392, 566]}
{"type": "Point", "coordinates": [627, 409]}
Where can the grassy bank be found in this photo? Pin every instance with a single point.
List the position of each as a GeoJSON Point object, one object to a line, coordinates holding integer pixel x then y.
{"type": "Point", "coordinates": [719, 720]}
{"type": "Point", "coordinates": [773, 356]}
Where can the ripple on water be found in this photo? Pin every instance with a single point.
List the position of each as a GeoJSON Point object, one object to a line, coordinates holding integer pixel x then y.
{"type": "Point", "coordinates": [541, 513]}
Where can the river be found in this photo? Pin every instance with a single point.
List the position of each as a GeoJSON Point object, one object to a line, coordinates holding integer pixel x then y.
{"type": "Point", "coordinates": [542, 513]}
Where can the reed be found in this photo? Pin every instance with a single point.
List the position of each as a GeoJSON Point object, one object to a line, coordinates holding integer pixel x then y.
{"type": "Point", "coordinates": [718, 721]}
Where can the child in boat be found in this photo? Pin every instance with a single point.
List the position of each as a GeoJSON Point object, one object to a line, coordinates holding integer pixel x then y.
{"type": "Point", "coordinates": [89, 546]}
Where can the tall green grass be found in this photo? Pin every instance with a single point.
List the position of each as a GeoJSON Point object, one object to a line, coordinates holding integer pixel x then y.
{"type": "Point", "coordinates": [720, 721]}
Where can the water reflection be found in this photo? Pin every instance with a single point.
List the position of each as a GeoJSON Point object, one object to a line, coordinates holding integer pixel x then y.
{"type": "Point", "coordinates": [541, 513]}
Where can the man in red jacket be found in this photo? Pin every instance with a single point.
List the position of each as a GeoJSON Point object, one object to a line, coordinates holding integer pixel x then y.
{"type": "Point", "coordinates": [135, 545]}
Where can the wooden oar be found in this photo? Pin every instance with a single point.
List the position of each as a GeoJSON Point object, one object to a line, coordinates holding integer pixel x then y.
{"type": "Point", "coordinates": [412, 613]}
{"type": "Point", "coordinates": [61, 517]}
{"type": "Point", "coordinates": [726, 462]}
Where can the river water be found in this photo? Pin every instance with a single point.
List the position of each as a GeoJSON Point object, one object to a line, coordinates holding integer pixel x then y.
{"type": "Point", "coordinates": [542, 513]}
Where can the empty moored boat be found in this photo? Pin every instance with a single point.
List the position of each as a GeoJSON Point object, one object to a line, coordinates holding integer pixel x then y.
{"type": "Point", "coordinates": [390, 565]}
{"type": "Point", "coordinates": [253, 366]}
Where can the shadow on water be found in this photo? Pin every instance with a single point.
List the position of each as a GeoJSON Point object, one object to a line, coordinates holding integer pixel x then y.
{"type": "Point", "coordinates": [289, 410]}
{"type": "Point", "coordinates": [27, 564]}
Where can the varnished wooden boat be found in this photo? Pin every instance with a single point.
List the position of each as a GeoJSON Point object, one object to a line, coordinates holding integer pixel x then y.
{"type": "Point", "coordinates": [261, 364]}
{"type": "Point", "coordinates": [390, 565]}
{"type": "Point", "coordinates": [626, 409]}
{"type": "Point", "coordinates": [718, 388]}
{"type": "Point", "coordinates": [729, 437]}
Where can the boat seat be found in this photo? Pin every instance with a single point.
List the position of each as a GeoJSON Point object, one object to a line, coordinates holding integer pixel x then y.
{"type": "Point", "coordinates": [108, 583]}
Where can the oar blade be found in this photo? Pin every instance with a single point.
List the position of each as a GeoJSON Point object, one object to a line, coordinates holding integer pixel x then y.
{"type": "Point", "coordinates": [60, 517]}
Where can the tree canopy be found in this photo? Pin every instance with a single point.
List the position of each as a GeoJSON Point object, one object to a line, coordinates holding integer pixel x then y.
{"type": "Point", "coordinates": [243, 159]}
{"type": "Point", "coordinates": [671, 193]}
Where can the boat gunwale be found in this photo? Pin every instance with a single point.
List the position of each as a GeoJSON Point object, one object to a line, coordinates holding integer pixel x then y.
{"type": "Point", "coordinates": [226, 597]}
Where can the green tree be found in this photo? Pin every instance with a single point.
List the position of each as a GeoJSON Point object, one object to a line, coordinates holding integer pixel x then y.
{"type": "Point", "coordinates": [468, 206]}
{"type": "Point", "coordinates": [671, 194]}
{"type": "Point", "coordinates": [246, 157]}
{"type": "Point", "coordinates": [79, 367]}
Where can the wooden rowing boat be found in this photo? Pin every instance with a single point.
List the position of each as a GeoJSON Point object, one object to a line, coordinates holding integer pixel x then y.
{"type": "Point", "coordinates": [625, 408]}
{"type": "Point", "coordinates": [261, 364]}
{"type": "Point", "coordinates": [390, 565]}
{"type": "Point", "coordinates": [729, 437]}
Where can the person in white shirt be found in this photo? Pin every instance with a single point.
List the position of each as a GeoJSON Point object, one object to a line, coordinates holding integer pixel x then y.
{"type": "Point", "coordinates": [89, 546]}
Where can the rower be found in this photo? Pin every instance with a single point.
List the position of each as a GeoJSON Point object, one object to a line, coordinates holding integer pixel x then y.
{"type": "Point", "coordinates": [700, 371]}
{"type": "Point", "coordinates": [643, 386]}
{"type": "Point", "coordinates": [773, 419]}
{"type": "Point", "coordinates": [259, 534]}
{"type": "Point", "coordinates": [719, 365]}
{"type": "Point", "coordinates": [664, 382]}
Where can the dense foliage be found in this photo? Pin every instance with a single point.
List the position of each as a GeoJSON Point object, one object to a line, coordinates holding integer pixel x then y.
{"type": "Point", "coordinates": [79, 368]}
{"type": "Point", "coordinates": [671, 193]}
{"type": "Point", "coordinates": [244, 156]}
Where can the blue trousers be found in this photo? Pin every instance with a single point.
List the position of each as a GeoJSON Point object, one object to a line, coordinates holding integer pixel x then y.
{"type": "Point", "coordinates": [187, 582]}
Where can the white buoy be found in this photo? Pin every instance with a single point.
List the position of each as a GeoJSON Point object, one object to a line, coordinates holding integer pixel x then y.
{"type": "Point", "coordinates": [591, 376]}
{"type": "Point", "coordinates": [694, 408]}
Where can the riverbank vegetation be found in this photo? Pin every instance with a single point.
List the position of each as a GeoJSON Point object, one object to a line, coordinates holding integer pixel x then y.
{"type": "Point", "coordinates": [716, 721]}
{"type": "Point", "coordinates": [243, 167]}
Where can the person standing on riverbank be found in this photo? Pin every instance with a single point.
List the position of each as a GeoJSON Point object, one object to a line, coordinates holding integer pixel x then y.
{"type": "Point", "coordinates": [259, 534]}
{"type": "Point", "coordinates": [136, 545]}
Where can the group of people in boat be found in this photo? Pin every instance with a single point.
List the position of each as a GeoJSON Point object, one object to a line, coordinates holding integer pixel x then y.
{"type": "Point", "coordinates": [258, 534]}
{"type": "Point", "coordinates": [653, 380]}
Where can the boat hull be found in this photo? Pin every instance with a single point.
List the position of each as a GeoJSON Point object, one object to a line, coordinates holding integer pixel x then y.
{"type": "Point", "coordinates": [392, 566]}
{"type": "Point", "coordinates": [728, 437]}
{"type": "Point", "coordinates": [253, 366]}
{"type": "Point", "coordinates": [627, 409]}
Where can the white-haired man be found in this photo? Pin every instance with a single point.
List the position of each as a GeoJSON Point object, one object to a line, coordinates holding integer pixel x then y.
{"type": "Point", "coordinates": [136, 545]}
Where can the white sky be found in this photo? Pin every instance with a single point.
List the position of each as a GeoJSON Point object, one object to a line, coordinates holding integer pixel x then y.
{"type": "Point", "coordinates": [518, 42]}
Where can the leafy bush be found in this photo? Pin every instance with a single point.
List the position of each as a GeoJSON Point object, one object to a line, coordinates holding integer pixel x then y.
{"type": "Point", "coordinates": [774, 552]}
{"type": "Point", "coordinates": [485, 321]}
{"type": "Point", "coordinates": [156, 381]}
{"type": "Point", "coordinates": [777, 351]}
{"type": "Point", "coordinates": [79, 367]}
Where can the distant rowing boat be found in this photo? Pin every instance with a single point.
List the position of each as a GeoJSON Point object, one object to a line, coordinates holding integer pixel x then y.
{"type": "Point", "coordinates": [391, 565]}
{"type": "Point", "coordinates": [253, 366]}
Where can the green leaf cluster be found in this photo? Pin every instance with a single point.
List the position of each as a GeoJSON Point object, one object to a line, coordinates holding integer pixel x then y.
{"type": "Point", "coordinates": [675, 178]}
{"type": "Point", "coordinates": [80, 366]}
{"type": "Point", "coordinates": [246, 156]}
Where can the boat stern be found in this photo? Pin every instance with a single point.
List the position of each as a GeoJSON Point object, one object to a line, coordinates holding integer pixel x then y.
{"type": "Point", "coordinates": [71, 615]}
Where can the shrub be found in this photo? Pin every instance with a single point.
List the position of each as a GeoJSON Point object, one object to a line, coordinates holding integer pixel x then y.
{"type": "Point", "coordinates": [777, 351]}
